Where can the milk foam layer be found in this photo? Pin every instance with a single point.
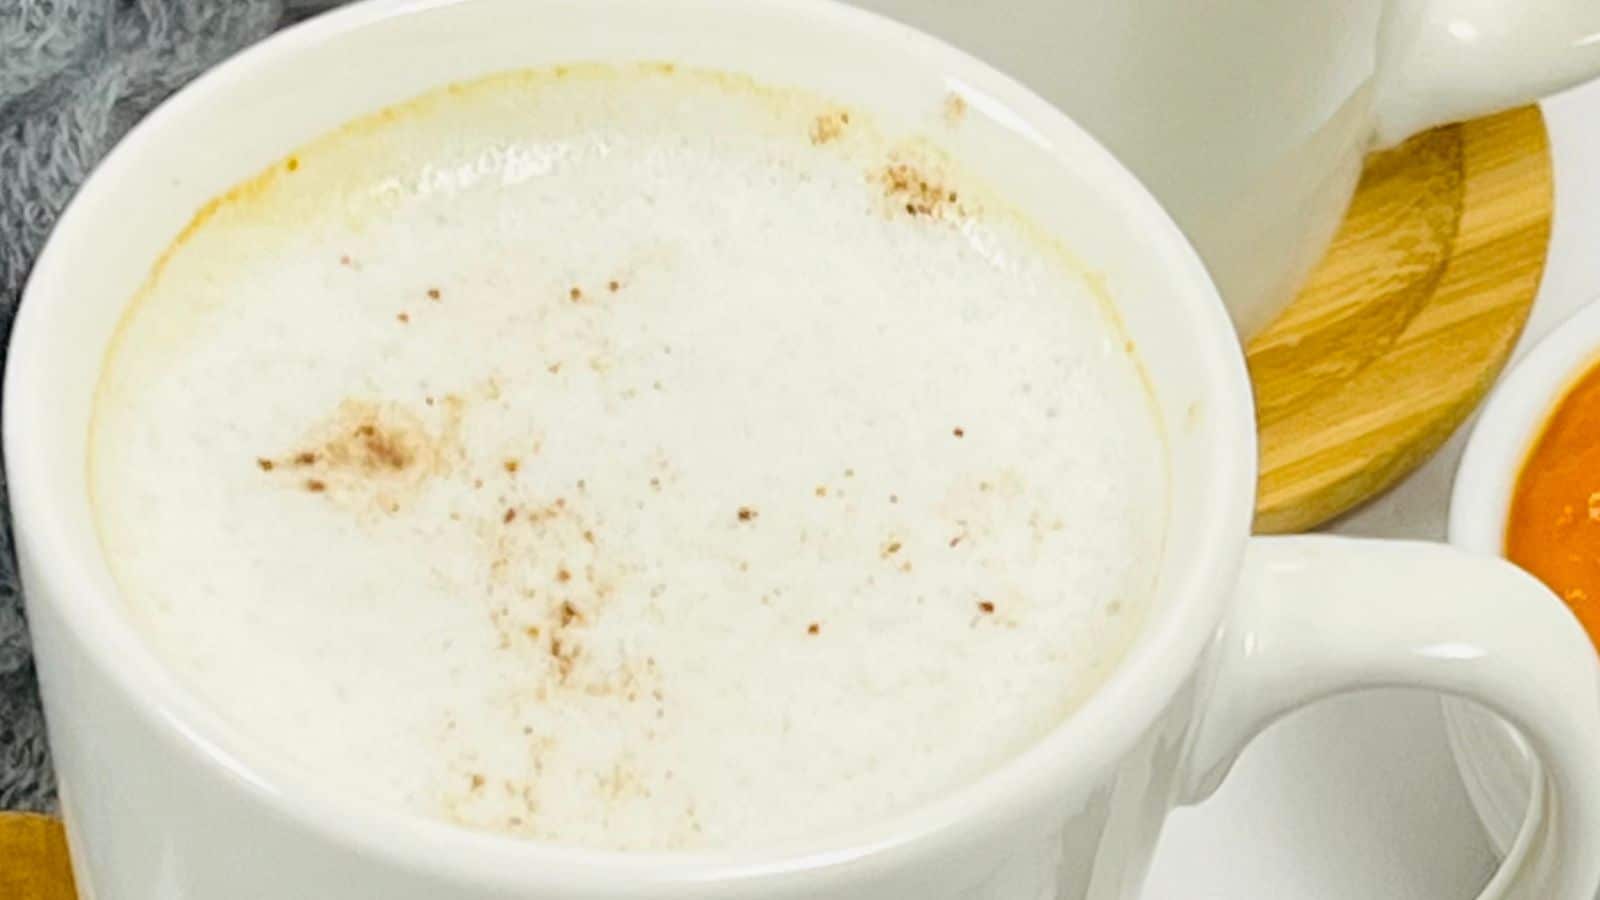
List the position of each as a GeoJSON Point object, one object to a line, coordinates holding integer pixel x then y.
{"type": "Point", "coordinates": [628, 458]}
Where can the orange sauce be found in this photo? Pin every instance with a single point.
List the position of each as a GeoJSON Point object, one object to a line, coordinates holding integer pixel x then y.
{"type": "Point", "coordinates": [1553, 529]}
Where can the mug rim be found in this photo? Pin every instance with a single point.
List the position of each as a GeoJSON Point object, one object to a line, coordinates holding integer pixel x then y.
{"type": "Point", "coordinates": [1512, 420]}
{"type": "Point", "coordinates": [1087, 742]}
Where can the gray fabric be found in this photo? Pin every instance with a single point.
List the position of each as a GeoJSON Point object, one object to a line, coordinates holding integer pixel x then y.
{"type": "Point", "coordinates": [74, 75]}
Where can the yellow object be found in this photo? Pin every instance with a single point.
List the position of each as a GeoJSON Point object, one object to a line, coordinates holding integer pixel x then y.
{"type": "Point", "coordinates": [33, 859]}
{"type": "Point", "coordinates": [1407, 320]}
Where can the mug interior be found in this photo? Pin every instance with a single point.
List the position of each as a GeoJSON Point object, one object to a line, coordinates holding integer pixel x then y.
{"type": "Point", "coordinates": [256, 109]}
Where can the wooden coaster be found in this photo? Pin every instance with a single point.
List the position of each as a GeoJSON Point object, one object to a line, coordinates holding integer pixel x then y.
{"type": "Point", "coordinates": [1407, 321]}
{"type": "Point", "coordinates": [33, 859]}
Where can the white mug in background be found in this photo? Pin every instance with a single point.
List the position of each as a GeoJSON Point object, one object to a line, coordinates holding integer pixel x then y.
{"type": "Point", "coordinates": [165, 800]}
{"type": "Point", "coordinates": [1500, 770]}
{"type": "Point", "coordinates": [1249, 119]}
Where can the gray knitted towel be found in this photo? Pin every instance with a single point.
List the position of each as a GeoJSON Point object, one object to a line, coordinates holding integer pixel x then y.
{"type": "Point", "coordinates": [74, 75]}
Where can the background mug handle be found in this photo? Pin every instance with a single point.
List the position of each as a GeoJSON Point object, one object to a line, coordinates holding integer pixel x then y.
{"type": "Point", "coordinates": [1318, 616]}
{"type": "Point", "coordinates": [1447, 60]}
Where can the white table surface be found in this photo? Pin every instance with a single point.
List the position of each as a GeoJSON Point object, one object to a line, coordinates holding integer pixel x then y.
{"type": "Point", "coordinates": [1357, 798]}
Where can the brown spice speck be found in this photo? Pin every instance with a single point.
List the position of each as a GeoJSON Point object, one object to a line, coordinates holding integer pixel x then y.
{"type": "Point", "coordinates": [316, 485]}
{"type": "Point", "coordinates": [512, 465]}
{"type": "Point", "coordinates": [955, 540]}
{"type": "Point", "coordinates": [569, 613]}
{"type": "Point", "coordinates": [919, 192]}
{"type": "Point", "coordinates": [477, 781]}
{"type": "Point", "coordinates": [434, 294]}
{"type": "Point", "coordinates": [511, 514]}
{"type": "Point", "coordinates": [265, 464]}
{"type": "Point", "coordinates": [959, 432]}
{"type": "Point", "coordinates": [563, 576]}
{"type": "Point", "coordinates": [403, 317]}
{"type": "Point", "coordinates": [747, 514]}
{"type": "Point", "coordinates": [344, 259]}
{"type": "Point", "coordinates": [813, 628]}
{"type": "Point", "coordinates": [985, 607]}
{"type": "Point", "coordinates": [955, 108]}
{"type": "Point", "coordinates": [553, 368]}
{"type": "Point", "coordinates": [614, 285]}
{"type": "Point", "coordinates": [891, 548]}
{"type": "Point", "coordinates": [575, 294]}
{"type": "Point", "coordinates": [305, 458]}
{"type": "Point", "coordinates": [828, 126]}
{"type": "Point", "coordinates": [822, 490]}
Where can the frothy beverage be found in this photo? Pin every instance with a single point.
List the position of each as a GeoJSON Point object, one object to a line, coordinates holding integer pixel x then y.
{"type": "Point", "coordinates": [631, 458]}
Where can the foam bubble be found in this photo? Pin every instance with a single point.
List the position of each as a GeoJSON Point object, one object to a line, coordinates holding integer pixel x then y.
{"type": "Point", "coordinates": [628, 458]}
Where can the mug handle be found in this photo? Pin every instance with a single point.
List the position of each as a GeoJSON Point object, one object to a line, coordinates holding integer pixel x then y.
{"type": "Point", "coordinates": [1319, 615]}
{"type": "Point", "coordinates": [1446, 60]}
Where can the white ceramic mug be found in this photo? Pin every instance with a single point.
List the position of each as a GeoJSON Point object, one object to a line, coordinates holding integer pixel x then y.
{"type": "Point", "coordinates": [1249, 118]}
{"type": "Point", "coordinates": [1499, 768]}
{"type": "Point", "coordinates": [164, 800]}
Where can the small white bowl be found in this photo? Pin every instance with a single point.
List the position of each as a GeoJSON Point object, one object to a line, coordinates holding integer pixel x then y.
{"type": "Point", "coordinates": [1496, 764]}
